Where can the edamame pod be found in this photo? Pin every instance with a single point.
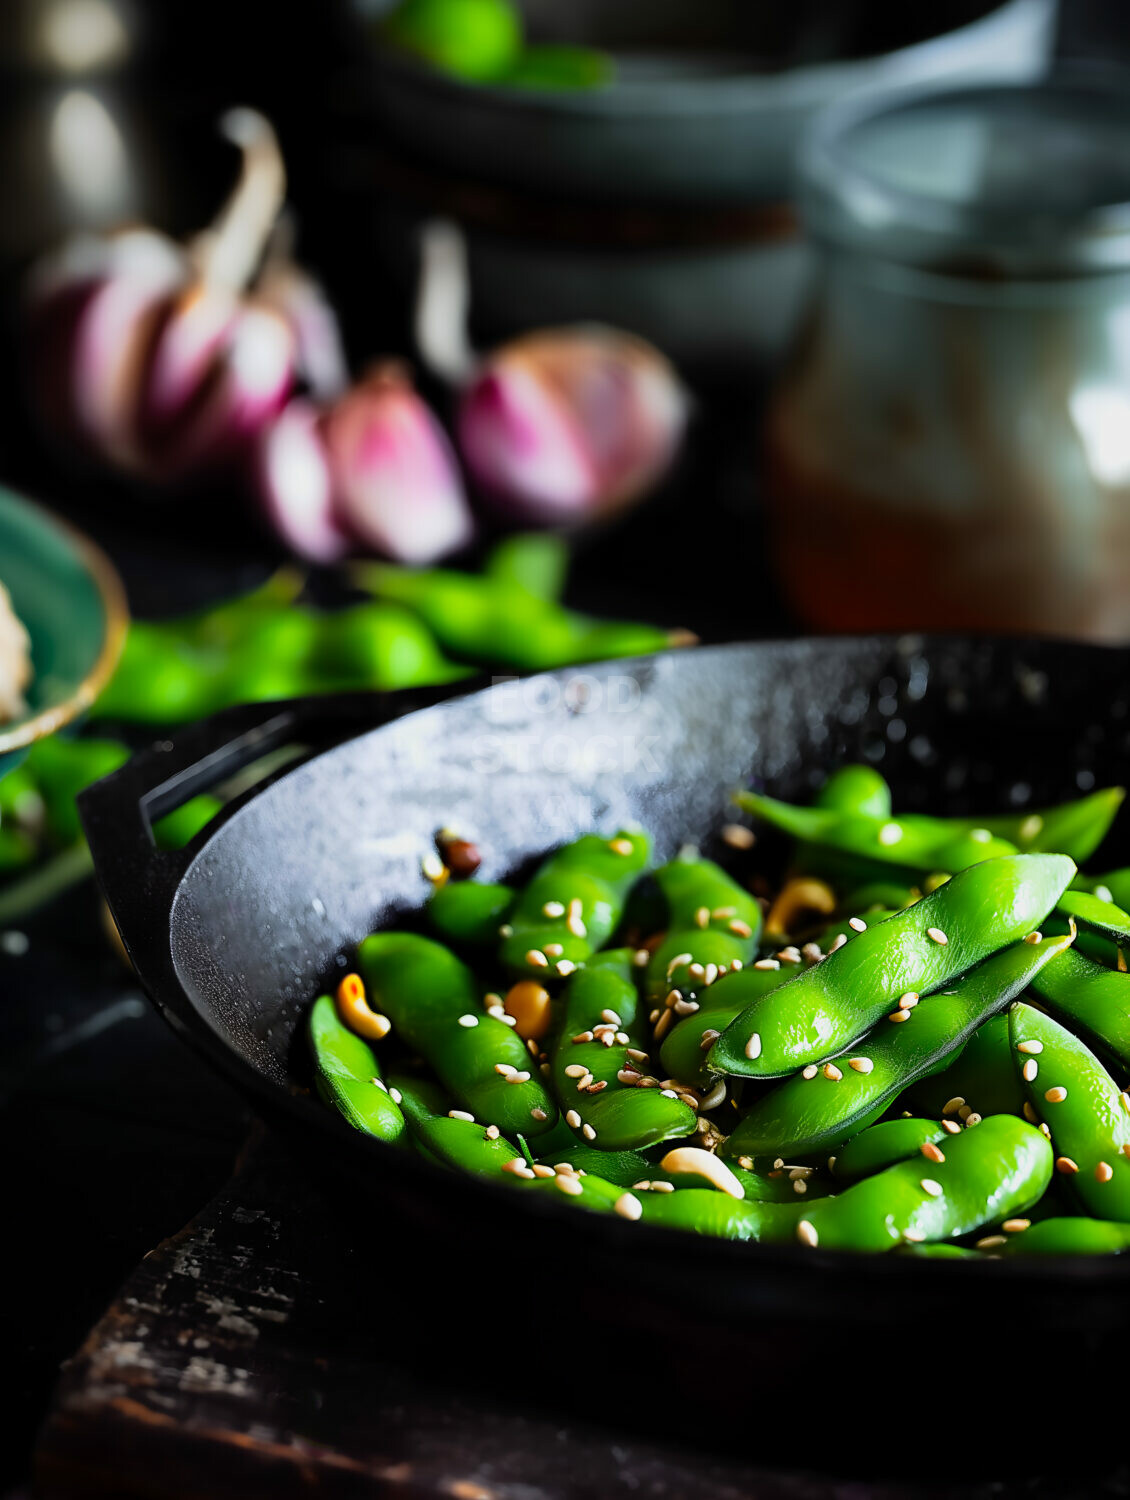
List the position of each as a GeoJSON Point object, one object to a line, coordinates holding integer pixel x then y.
{"type": "Point", "coordinates": [1093, 912]}
{"type": "Point", "coordinates": [594, 1072]}
{"type": "Point", "coordinates": [824, 1105]}
{"type": "Point", "coordinates": [1087, 1114]}
{"type": "Point", "coordinates": [572, 905]}
{"type": "Point", "coordinates": [433, 1003]}
{"type": "Point", "coordinates": [453, 1140]}
{"type": "Point", "coordinates": [683, 1054]}
{"type": "Point", "coordinates": [1069, 1236]}
{"type": "Point", "coordinates": [1092, 999]}
{"type": "Point", "coordinates": [980, 1079]}
{"type": "Point", "coordinates": [347, 1077]}
{"type": "Point", "coordinates": [856, 788]}
{"type": "Point", "coordinates": [469, 912]}
{"type": "Point", "coordinates": [711, 920]}
{"type": "Point", "coordinates": [883, 1145]}
{"type": "Point", "coordinates": [825, 1009]}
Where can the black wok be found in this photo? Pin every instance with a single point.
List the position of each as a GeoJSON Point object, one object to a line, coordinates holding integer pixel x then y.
{"type": "Point", "coordinates": [780, 1350]}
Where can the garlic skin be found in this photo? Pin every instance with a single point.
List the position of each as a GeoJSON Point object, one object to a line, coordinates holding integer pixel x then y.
{"type": "Point", "coordinates": [396, 480]}
{"type": "Point", "coordinates": [567, 424]}
{"type": "Point", "coordinates": [15, 660]}
{"type": "Point", "coordinates": [295, 484]}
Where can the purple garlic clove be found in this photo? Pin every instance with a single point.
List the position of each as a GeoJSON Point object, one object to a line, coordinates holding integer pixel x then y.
{"type": "Point", "coordinates": [320, 359]}
{"type": "Point", "coordinates": [295, 484]}
{"type": "Point", "coordinates": [396, 480]}
{"type": "Point", "coordinates": [571, 423]}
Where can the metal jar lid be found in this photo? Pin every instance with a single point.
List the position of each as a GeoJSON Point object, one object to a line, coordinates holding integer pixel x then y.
{"type": "Point", "coordinates": [1029, 181]}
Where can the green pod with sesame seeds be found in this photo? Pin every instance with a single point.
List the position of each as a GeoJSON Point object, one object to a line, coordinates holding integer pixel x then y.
{"type": "Point", "coordinates": [433, 1002]}
{"type": "Point", "coordinates": [710, 920]}
{"type": "Point", "coordinates": [622, 1168]}
{"type": "Point", "coordinates": [882, 1145]}
{"type": "Point", "coordinates": [594, 1073]}
{"type": "Point", "coordinates": [347, 1076]}
{"type": "Point", "coordinates": [980, 1078]}
{"type": "Point", "coordinates": [878, 899]}
{"type": "Point", "coordinates": [1113, 886]}
{"type": "Point", "coordinates": [824, 1010]}
{"type": "Point", "coordinates": [684, 1048]}
{"type": "Point", "coordinates": [1069, 1236]}
{"type": "Point", "coordinates": [989, 1174]}
{"type": "Point", "coordinates": [468, 913]}
{"type": "Point", "coordinates": [573, 904]}
{"type": "Point", "coordinates": [826, 1104]}
{"type": "Point", "coordinates": [1091, 999]}
{"type": "Point", "coordinates": [1086, 1112]}
{"type": "Point", "coordinates": [1096, 915]}
{"type": "Point", "coordinates": [451, 1140]}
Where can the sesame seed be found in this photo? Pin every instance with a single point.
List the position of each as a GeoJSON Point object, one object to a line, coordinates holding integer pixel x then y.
{"type": "Point", "coordinates": [460, 1114]}
{"type": "Point", "coordinates": [575, 1070]}
{"type": "Point", "coordinates": [753, 1047]}
{"type": "Point", "coordinates": [505, 1069]}
{"type": "Point", "coordinates": [492, 1132]}
{"type": "Point", "coordinates": [1103, 1171]}
{"type": "Point", "coordinates": [623, 847]}
{"type": "Point", "coordinates": [1033, 937]}
{"type": "Point", "coordinates": [1065, 1165]}
{"type": "Point", "coordinates": [951, 1127]}
{"type": "Point", "coordinates": [432, 867]}
{"type": "Point", "coordinates": [641, 958]}
{"type": "Point", "coordinates": [563, 1168]}
{"type": "Point", "coordinates": [702, 917]}
{"type": "Point", "coordinates": [468, 1020]}
{"type": "Point", "coordinates": [1031, 826]}
{"type": "Point", "coordinates": [672, 997]}
{"type": "Point", "coordinates": [767, 963]}
{"type": "Point", "coordinates": [537, 958]}
{"type": "Point", "coordinates": [980, 835]}
{"type": "Point", "coordinates": [1035, 1048]}
{"type": "Point", "coordinates": [517, 1165]}
{"type": "Point", "coordinates": [710, 974]}
{"type": "Point", "coordinates": [539, 1170]}
{"type": "Point", "coordinates": [715, 1097]}
{"type": "Point", "coordinates": [890, 833]}
{"type": "Point", "coordinates": [971, 1120]}
{"type": "Point", "coordinates": [741, 929]}
{"type": "Point", "coordinates": [553, 950]}
{"type": "Point", "coordinates": [800, 1186]}
{"type": "Point", "coordinates": [628, 1206]}
{"type": "Point", "coordinates": [662, 1187]}
{"type": "Point", "coordinates": [553, 909]}
{"type": "Point", "coordinates": [1016, 1226]}
{"type": "Point", "coordinates": [1030, 1069]}
{"type": "Point", "coordinates": [573, 1120]}
{"type": "Point", "coordinates": [789, 955]}
{"type": "Point", "coordinates": [537, 1113]}
{"type": "Point", "coordinates": [806, 1233]}
{"type": "Point", "coordinates": [1103, 893]}
{"type": "Point", "coordinates": [913, 1236]}
{"type": "Point", "coordinates": [738, 836]}
{"type": "Point", "coordinates": [1044, 1129]}
{"type": "Point", "coordinates": [899, 1015]}
{"type": "Point", "coordinates": [952, 1106]}
{"type": "Point", "coordinates": [857, 924]}
{"type": "Point", "coordinates": [810, 1072]}
{"type": "Point", "coordinates": [928, 1185]}
{"type": "Point", "coordinates": [932, 1152]}
{"type": "Point", "coordinates": [584, 1081]}
{"type": "Point", "coordinates": [685, 1007]}
{"type": "Point", "coordinates": [990, 1242]}
{"type": "Point", "coordinates": [1030, 1114]}
{"type": "Point", "coordinates": [832, 1072]}
{"type": "Point", "coordinates": [678, 961]}
{"type": "Point", "coordinates": [668, 1093]}
{"type": "Point", "coordinates": [517, 1077]}
{"type": "Point", "coordinates": [506, 931]}
{"type": "Point", "coordinates": [628, 1076]}
{"type": "Point", "coordinates": [571, 1186]}
{"type": "Point", "coordinates": [861, 1064]}
{"type": "Point", "coordinates": [909, 1000]}
{"type": "Point", "coordinates": [936, 935]}
{"type": "Point", "coordinates": [696, 971]}
{"type": "Point", "coordinates": [736, 964]}
{"type": "Point", "coordinates": [812, 953]}
{"type": "Point", "coordinates": [582, 1036]}
{"type": "Point", "coordinates": [588, 1132]}
{"type": "Point", "coordinates": [663, 1025]}
{"type": "Point", "coordinates": [1056, 1095]}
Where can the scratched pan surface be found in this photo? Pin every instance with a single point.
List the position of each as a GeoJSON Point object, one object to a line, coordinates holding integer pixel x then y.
{"type": "Point", "coordinates": [234, 936]}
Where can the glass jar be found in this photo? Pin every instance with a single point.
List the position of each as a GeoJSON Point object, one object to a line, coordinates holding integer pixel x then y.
{"type": "Point", "coordinates": [950, 445]}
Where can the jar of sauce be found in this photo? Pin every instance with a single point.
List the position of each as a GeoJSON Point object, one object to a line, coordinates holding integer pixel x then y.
{"type": "Point", "coordinates": [949, 447]}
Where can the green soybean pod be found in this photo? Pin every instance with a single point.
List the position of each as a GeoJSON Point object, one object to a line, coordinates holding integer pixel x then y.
{"type": "Point", "coordinates": [883, 1145]}
{"type": "Point", "coordinates": [856, 788]}
{"type": "Point", "coordinates": [1092, 912]}
{"type": "Point", "coordinates": [1086, 1112]}
{"type": "Point", "coordinates": [594, 1072]}
{"type": "Point", "coordinates": [448, 1138]}
{"type": "Point", "coordinates": [825, 1009]}
{"type": "Point", "coordinates": [711, 919]}
{"type": "Point", "coordinates": [572, 905]}
{"type": "Point", "coordinates": [1069, 1236]}
{"type": "Point", "coordinates": [347, 1076]}
{"type": "Point", "coordinates": [1092, 999]}
{"type": "Point", "coordinates": [980, 1078]}
{"type": "Point", "coordinates": [433, 1003]}
{"type": "Point", "coordinates": [824, 1105]}
{"type": "Point", "coordinates": [470, 912]}
{"type": "Point", "coordinates": [684, 1049]}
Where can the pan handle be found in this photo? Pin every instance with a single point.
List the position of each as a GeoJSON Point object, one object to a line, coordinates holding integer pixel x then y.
{"type": "Point", "coordinates": [138, 879]}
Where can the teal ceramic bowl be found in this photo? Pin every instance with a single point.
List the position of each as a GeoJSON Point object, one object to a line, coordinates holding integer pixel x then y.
{"type": "Point", "coordinates": [73, 605]}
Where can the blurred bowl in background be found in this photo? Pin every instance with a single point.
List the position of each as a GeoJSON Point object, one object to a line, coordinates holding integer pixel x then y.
{"type": "Point", "coordinates": [660, 203]}
{"type": "Point", "coordinates": [73, 606]}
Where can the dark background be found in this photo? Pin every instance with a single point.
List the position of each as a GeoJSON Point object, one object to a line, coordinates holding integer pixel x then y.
{"type": "Point", "coordinates": [113, 1135]}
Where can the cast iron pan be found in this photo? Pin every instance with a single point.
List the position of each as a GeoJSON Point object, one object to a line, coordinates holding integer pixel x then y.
{"type": "Point", "coordinates": [795, 1351]}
